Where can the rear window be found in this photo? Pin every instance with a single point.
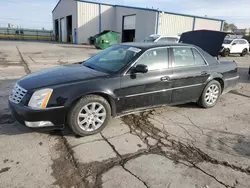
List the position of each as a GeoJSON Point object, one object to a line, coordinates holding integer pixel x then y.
{"type": "Point", "coordinates": [150, 39]}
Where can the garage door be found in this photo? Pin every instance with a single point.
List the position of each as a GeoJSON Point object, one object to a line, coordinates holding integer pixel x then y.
{"type": "Point", "coordinates": [63, 30]}
{"type": "Point", "coordinates": [129, 22]}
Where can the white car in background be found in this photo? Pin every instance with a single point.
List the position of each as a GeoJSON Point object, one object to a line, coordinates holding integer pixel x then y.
{"type": "Point", "coordinates": [235, 46]}
{"type": "Point", "coordinates": [162, 38]}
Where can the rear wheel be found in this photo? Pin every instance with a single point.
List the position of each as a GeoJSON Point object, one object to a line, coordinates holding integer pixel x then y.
{"type": "Point", "coordinates": [244, 52]}
{"type": "Point", "coordinates": [210, 94]}
{"type": "Point", "coordinates": [90, 115]}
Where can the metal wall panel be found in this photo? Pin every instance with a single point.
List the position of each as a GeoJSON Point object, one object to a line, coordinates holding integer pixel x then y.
{"type": "Point", "coordinates": [108, 17]}
{"type": "Point", "coordinates": [207, 24]}
{"type": "Point", "coordinates": [171, 24]}
{"type": "Point", "coordinates": [88, 21]}
{"type": "Point", "coordinates": [145, 21]}
{"type": "Point", "coordinates": [64, 9]}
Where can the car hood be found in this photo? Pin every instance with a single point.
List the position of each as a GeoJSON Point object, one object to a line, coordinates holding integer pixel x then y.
{"type": "Point", "coordinates": [209, 41]}
{"type": "Point", "coordinates": [59, 75]}
{"type": "Point", "coordinates": [226, 45]}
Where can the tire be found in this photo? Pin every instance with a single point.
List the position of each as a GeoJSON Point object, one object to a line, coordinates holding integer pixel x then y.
{"type": "Point", "coordinates": [226, 52]}
{"type": "Point", "coordinates": [244, 52]}
{"type": "Point", "coordinates": [205, 101]}
{"type": "Point", "coordinates": [83, 111]}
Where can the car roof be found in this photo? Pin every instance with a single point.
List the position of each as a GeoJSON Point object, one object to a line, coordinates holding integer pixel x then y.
{"type": "Point", "coordinates": [156, 35]}
{"type": "Point", "coordinates": [148, 45]}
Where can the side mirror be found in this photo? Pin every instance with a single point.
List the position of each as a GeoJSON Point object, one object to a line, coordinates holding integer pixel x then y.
{"type": "Point", "coordinates": [141, 68]}
{"type": "Point", "coordinates": [234, 44]}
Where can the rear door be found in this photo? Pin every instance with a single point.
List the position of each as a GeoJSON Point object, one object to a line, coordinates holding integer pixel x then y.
{"type": "Point", "coordinates": [190, 72]}
{"type": "Point", "coordinates": [153, 88]}
{"type": "Point", "coordinates": [243, 44]}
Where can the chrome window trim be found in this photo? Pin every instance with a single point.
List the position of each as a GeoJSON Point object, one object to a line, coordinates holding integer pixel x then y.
{"type": "Point", "coordinates": [169, 67]}
{"type": "Point", "coordinates": [163, 90]}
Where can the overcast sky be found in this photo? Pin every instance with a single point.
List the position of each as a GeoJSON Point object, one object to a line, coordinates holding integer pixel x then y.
{"type": "Point", "coordinates": [37, 13]}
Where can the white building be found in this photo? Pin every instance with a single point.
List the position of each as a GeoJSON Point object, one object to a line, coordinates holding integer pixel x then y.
{"type": "Point", "coordinates": [77, 20]}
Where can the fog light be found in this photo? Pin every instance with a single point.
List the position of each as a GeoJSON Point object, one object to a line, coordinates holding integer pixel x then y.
{"type": "Point", "coordinates": [39, 124]}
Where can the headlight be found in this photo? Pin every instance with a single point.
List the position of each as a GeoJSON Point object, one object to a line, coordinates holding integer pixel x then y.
{"type": "Point", "coordinates": [40, 98]}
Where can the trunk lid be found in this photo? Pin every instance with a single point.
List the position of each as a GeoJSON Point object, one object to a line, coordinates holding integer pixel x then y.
{"type": "Point", "coordinates": [209, 41]}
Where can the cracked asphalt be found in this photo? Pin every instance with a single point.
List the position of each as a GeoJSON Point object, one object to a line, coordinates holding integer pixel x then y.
{"type": "Point", "coordinates": [170, 147]}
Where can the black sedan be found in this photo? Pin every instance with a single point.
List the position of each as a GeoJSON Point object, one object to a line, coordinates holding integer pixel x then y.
{"type": "Point", "coordinates": [122, 79]}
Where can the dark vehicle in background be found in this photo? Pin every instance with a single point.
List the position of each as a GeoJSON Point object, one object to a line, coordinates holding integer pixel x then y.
{"type": "Point", "coordinates": [124, 79]}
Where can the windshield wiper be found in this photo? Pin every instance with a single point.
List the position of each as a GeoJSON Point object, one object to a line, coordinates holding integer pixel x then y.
{"type": "Point", "coordinates": [89, 66]}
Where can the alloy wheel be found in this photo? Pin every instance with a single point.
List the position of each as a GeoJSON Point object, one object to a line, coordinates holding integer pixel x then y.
{"type": "Point", "coordinates": [212, 94]}
{"type": "Point", "coordinates": [91, 117]}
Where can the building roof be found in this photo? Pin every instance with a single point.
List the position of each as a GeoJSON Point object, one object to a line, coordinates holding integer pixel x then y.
{"type": "Point", "coordinates": [147, 9]}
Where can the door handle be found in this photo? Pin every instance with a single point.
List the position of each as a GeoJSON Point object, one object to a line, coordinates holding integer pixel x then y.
{"type": "Point", "coordinates": [204, 73]}
{"type": "Point", "coordinates": [165, 79]}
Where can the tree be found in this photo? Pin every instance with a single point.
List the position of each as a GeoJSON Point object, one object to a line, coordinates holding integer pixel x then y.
{"type": "Point", "coordinates": [226, 26]}
{"type": "Point", "coordinates": [233, 28]}
{"type": "Point", "coordinates": [230, 27]}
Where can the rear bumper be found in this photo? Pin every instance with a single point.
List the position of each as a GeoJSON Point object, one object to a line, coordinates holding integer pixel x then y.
{"type": "Point", "coordinates": [230, 84]}
{"type": "Point", "coordinates": [57, 116]}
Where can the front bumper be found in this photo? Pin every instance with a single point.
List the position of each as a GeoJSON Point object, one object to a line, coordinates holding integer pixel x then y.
{"type": "Point", "coordinates": [57, 116]}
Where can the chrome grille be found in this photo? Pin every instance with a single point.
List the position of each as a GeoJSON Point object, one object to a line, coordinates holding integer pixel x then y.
{"type": "Point", "coordinates": [17, 94]}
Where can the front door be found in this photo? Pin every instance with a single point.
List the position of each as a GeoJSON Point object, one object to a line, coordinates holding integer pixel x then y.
{"type": "Point", "coordinates": [236, 47]}
{"type": "Point", "coordinates": [190, 72]}
{"type": "Point", "coordinates": [150, 89]}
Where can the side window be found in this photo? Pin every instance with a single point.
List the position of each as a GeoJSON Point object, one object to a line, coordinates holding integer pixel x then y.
{"type": "Point", "coordinates": [163, 39]}
{"type": "Point", "coordinates": [183, 57]}
{"type": "Point", "coordinates": [236, 42]}
{"type": "Point", "coordinates": [242, 42]}
{"type": "Point", "coordinates": [198, 58]}
{"type": "Point", "coordinates": [172, 39]}
{"type": "Point", "coordinates": [155, 59]}
{"type": "Point", "coordinates": [168, 39]}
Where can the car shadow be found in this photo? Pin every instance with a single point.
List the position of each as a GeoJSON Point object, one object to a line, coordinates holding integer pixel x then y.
{"type": "Point", "coordinates": [188, 105]}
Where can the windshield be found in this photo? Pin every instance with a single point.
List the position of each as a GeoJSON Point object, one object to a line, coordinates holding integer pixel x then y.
{"type": "Point", "coordinates": [227, 41]}
{"type": "Point", "coordinates": [113, 59]}
{"type": "Point", "coordinates": [151, 39]}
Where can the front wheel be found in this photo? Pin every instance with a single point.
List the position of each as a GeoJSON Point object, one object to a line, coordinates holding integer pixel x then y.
{"type": "Point", "coordinates": [89, 115]}
{"type": "Point", "coordinates": [210, 94]}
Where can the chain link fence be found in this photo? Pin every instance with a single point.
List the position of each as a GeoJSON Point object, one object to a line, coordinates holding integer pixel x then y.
{"type": "Point", "coordinates": [26, 34]}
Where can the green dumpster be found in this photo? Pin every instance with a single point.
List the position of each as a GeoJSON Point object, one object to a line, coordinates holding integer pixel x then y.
{"type": "Point", "coordinates": [105, 39]}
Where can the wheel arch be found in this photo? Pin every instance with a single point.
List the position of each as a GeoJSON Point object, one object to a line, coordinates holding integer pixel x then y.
{"type": "Point", "coordinates": [109, 97]}
{"type": "Point", "coordinates": [218, 77]}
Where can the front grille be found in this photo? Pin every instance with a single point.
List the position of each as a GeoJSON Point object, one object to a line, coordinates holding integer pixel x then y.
{"type": "Point", "coordinates": [17, 94]}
